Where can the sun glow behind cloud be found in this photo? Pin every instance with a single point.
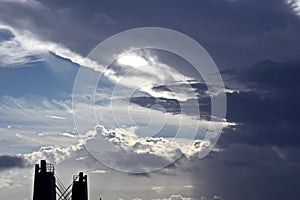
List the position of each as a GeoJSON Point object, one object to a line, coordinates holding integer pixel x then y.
{"type": "Point", "coordinates": [144, 71]}
{"type": "Point", "coordinates": [295, 5]}
{"type": "Point", "coordinates": [132, 60]}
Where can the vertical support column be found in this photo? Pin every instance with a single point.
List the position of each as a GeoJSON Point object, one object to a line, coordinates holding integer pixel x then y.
{"type": "Point", "coordinates": [79, 189]}
{"type": "Point", "coordinates": [44, 183]}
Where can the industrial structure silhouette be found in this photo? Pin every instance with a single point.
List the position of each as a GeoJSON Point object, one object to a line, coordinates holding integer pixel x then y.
{"type": "Point", "coordinates": [47, 185]}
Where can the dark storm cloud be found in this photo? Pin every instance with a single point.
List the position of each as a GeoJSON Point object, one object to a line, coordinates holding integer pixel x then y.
{"type": "Point", "coordinates": [234, 32]}
{"type": "Point", "coordinates": [260, 153]}
{"type": "Point", "coordinates": [7, 162]}
{"type": "Point", "coordinates": [175, 106]}
{"type": "Point", "coordinates": [259, 157]}
{"type": "Point", "coordinates": [268, 113]}
{"type": "Point", "coordinates": [246, 172]}
{"type": "Point", "coordinates": [171, 105]}
{"type": "Point", "coordinates": [140, 174]}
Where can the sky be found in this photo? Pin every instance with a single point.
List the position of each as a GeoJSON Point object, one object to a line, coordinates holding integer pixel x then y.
{"type": "Point", "coordinates": [164, 100]}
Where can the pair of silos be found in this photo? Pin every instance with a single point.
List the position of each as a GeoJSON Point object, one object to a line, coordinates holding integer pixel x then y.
{"type": "Point", "coordinates": [45, 184]}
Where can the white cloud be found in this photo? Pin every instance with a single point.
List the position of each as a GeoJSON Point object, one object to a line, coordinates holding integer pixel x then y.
{"type": "Point", "coordinates": [143, 71]}
{"type": "Point", "coordinates": [124, 139]}
{"type": "Point", "coordinates": [13, 53]}
{"type": "Point", "coordinates": [50, 122]}
{"type": "Point", "coordinates": [295, 5]}
{"type": "Point", "coordinates": [16, 111]}
{"type": "Point", "coordinates": [80, 158]}
{"type": "Point", "coordinates": [55, 117]}
{"type": "Point", "coordinates": [71, 135]}
{"type": "Point", "coordinates": [53, 154]}
{"type": "Point", "coordinates": [98, 171]}
{"type": "Point", "coordinates": [132, 60]}
{"type": "Point", "coordinates": [123, 150]}
{"type": "Point", "coordinates": [188, 186]}
{"type": "Point", "coordinates": [168, 148]}
{"type": "Point", "coordinates": [33, 45]}
{"type": "Point", "coordinates": [59, 141]}
{"type": "Point", "coordinates": [157, 188]}
{"type": "Point", "coordinates": [216, 197]}
{"type": "Point", "coordinates": [175, 197]}
{"type": "Point", "coordinates": [7, 179]}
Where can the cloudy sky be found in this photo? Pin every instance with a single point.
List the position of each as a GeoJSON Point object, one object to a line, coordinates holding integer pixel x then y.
{"type": "Point", "coordinates": [145, 122]}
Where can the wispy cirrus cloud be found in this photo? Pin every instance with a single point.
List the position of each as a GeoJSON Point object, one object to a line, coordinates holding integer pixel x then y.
{"type": "Point", "coordinates": [13, 53]}
{"type": "Point", "coordinates": [142, 70]}
{"type": "Point", "coordinates": [30, 44]}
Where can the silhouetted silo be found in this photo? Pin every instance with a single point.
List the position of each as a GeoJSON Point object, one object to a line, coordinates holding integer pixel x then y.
{"type": "Point", "coordinates": [79, 189]}
{"type": "Point", "coordinates": [44, 182]}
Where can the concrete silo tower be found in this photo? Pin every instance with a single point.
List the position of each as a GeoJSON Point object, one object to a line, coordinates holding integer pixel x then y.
{"type": "Point", "coordinates": [44, 182]}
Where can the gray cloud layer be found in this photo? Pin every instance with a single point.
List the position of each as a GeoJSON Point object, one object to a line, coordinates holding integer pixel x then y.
{"type": "Point", "coordinates": [8, 162]}
{"type": "Point", "coordinates": [234, 32]}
